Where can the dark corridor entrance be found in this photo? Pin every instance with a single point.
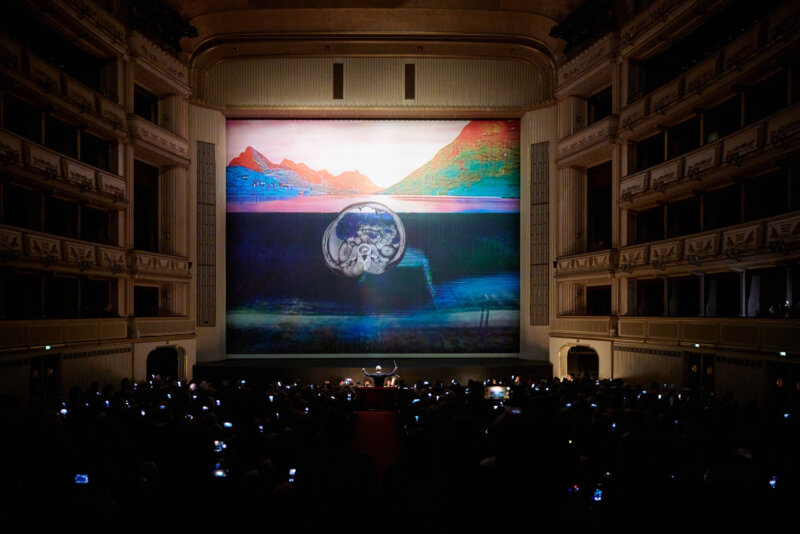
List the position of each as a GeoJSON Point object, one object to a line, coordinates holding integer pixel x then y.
{"type": "Point", "coordinates": [163, 362]}
{"type": "Point", "coordinates": [583, 360]}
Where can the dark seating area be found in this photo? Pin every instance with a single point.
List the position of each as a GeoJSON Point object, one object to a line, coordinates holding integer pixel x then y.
{"type": "Point", "coordinates": [162, 454]}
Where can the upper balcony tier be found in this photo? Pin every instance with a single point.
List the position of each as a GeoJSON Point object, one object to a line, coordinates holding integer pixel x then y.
{"type": "Point", "coordinates": [24, 69]}
{"type": "Point", "coordinates": [758, 144]}
{"type": "Point", "coordinates": [589, 146]}
{"type": "Point", "coordinates": [39, 333]}
{"type": "Point", "coordinates": [160, 326]}
{"type": "Point", "coordinates": [88, 21]}
{"type": "Point", "coordinates": [755, 241]}
{"type": "Point", "coordinates": [590, 70]}
{"type": "Point", "coordinates": [30, 249]}
{"type": "Point", "coordinates": [155, 68]}
{"type": "Point", "coordinates": [644, 33]}
{"type": "Point", "coordinates": [148, 265]}
{"type": "Point", "coordinates": [158, 145]}
{"type": "Point", "coordinates": [767, 335]}
{"type": "Point", "coordinates": [773, 237]}
{"type": "Point", "coordinates": [731, 65]}
{"type": "Point", "coordinates": [588, 263]}
{"type": "Point", "coordinates": [585, 326]}
{"type": "Point", "coordinates": [38, 164]}
{"type": "Point", "coordinates": [27, 248]}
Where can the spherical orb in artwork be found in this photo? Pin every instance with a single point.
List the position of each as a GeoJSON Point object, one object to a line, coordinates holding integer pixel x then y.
{"type": "Point", "coordinates": [366, 237]}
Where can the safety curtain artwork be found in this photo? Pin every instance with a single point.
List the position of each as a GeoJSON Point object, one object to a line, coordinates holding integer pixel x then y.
{"type": "Point", "coordinates": [350, 236]}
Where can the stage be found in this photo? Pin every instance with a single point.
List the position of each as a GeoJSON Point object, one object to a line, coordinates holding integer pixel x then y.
{"type": "Point", "coordinates": [317, 370]}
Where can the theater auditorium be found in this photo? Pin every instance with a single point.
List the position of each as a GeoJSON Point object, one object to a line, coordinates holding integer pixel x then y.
{"type": "Point", "coordinates": [333, 263]}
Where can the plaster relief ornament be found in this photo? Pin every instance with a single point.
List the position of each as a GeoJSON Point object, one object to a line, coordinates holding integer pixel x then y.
{"type": "Point", "coordinates": [366, 237]}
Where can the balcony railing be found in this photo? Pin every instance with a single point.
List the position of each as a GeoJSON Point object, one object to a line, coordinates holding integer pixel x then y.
{"type": "Point", "coordinates": [649, 20]}
{"type": "Point", "coordinates": [33, 333]}
{"type": "Point", "coordinates": [159, 264]}
{"type": "Point", "coordinates": [592, 58]}
{"type": "Point", "coordinates": [162, 140]}
{"type": "Point", "coordinates": [591, 136]}
{"type": "Point", "coordinates": [772, 335]}
{"type": "Point", "coordinates": [770, 235]}
{"type": "Point", "coordinates": [27, 68]}
{"type": "Point", "coordinates": [50, 165]}
{"type": "Point", "coordinates": [160, 326]}
{"type": "Point", "coordinates": [96, 20]}
{"type": "Point", "coordinates": [775, 131]}
{"type": "Point", "coordinates": [603, 260]}
{"type": "Point", "coordinates": [156, 58]}
{"type": "Point", "coordinates": [584, 325]}
{"type": "Point", "coordinates": [716, 71]}
{"type": "Point", "coordinates": [54, 251]}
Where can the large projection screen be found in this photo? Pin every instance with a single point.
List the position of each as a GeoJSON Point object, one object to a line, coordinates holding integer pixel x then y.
{"type": "Point", "coordinates": [373, 237]}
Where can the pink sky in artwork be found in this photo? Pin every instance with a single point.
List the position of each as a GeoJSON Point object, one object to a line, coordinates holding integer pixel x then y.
{"type": "Point", "coordinates": [385, 151]}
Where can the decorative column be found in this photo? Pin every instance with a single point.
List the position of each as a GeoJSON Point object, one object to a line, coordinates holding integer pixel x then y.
{"type": "Point", "coordinates": [175, 298]}
{"type": "Point", "coordinates": [571, 211]}
{"type": "Point", "coordinates": [618, 219]}
{"type": "Point", "coordinates": [571, 299]}
{"type": "Point", "coordinates": [572, 115]}
{"type": "Point", "coordinates": [174, 114]}
{"type": "Point", "coordinates": [627, 296]}
{"type": "Point", "coordinates": [174, 211]}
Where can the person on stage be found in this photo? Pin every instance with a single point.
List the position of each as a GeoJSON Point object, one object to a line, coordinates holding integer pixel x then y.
{"type": "Point", "coordinates": [378, 377]}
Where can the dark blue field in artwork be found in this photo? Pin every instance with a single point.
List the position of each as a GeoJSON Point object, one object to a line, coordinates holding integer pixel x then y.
{"type": "Point", "coordinates": [455, 290]}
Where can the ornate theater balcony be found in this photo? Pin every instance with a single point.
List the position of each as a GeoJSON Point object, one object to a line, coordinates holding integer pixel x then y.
{"type": "Point", "coordinates": [148, 265]}
{"type": "Point", "coordinates": [588, 146]}
{"type": "Point", "coordinates": [39, 333]}
{"type": "Point", "coordinates": [45, 167]}
{"type": "Point", "coordinates": [731, 65]}
{"type": "Point", "coordinates": [758, 144]}
{"type": "Point", "coordinates": [590, 70]}
{"type": "Point", "coordinates": [584, 326]}
{"type": "Point", "coordinates": [587, 263]}
{"type": "Point", "coordinates": [27, 248]}
{"type": "Point", "coordinates": [160, 146]}
{"type": "Point", "coordinates": [26, 70]}
{"type": "Point", "coordinates": [155, 67]}
{"type": "Point", "coordinates": [767, 335]}
{"type": "Point", "coordinates": [160, 326]}
{"type": "Point", "coordinates": [768, 239]}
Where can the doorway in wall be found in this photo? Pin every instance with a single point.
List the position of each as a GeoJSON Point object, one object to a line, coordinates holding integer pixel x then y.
{"type": "Point", "coordinates": [163, 361]}
{"type": "Point", "coordinates": [700, 369]}
{"type": "Point", "coordinates": [45, 378]}
{"type": "Point", "coordinates": [783, 381]}
{"type": "Point", "coordinates": [583, 361]}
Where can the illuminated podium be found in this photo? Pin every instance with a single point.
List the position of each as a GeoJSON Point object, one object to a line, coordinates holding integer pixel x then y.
{"type": "Point", "coordinates": [377, 398]}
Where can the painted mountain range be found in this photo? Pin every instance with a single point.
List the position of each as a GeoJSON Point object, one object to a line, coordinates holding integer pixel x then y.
{"type": "Point", "coordinates": [482, 161]}
{"type": "Point", "coordinates": [252, 175]}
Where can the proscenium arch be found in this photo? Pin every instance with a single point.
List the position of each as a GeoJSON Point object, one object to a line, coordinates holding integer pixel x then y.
{"type": "Point", "coordinates": [225, 33]}
{"type": "Point", "coordinates": [501, 48]}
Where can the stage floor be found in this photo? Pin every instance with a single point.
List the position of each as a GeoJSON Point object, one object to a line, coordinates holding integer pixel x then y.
{"type": "Point", "coordinates": [317, 370]}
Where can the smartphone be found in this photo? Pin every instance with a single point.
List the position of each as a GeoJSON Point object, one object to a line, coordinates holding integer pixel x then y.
{"type": "Point", "coordinates": [496, 392]}
{"type": "Point", "coordinates": [292, 473]}
{"type": "Point", "coordinates": [219, 471]}
{"type": "Point", "coordinates": [81, 478]}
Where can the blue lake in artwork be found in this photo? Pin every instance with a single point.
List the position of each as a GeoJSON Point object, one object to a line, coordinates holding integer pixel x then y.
{"type": "Point", "coordinates": [456, 288]}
